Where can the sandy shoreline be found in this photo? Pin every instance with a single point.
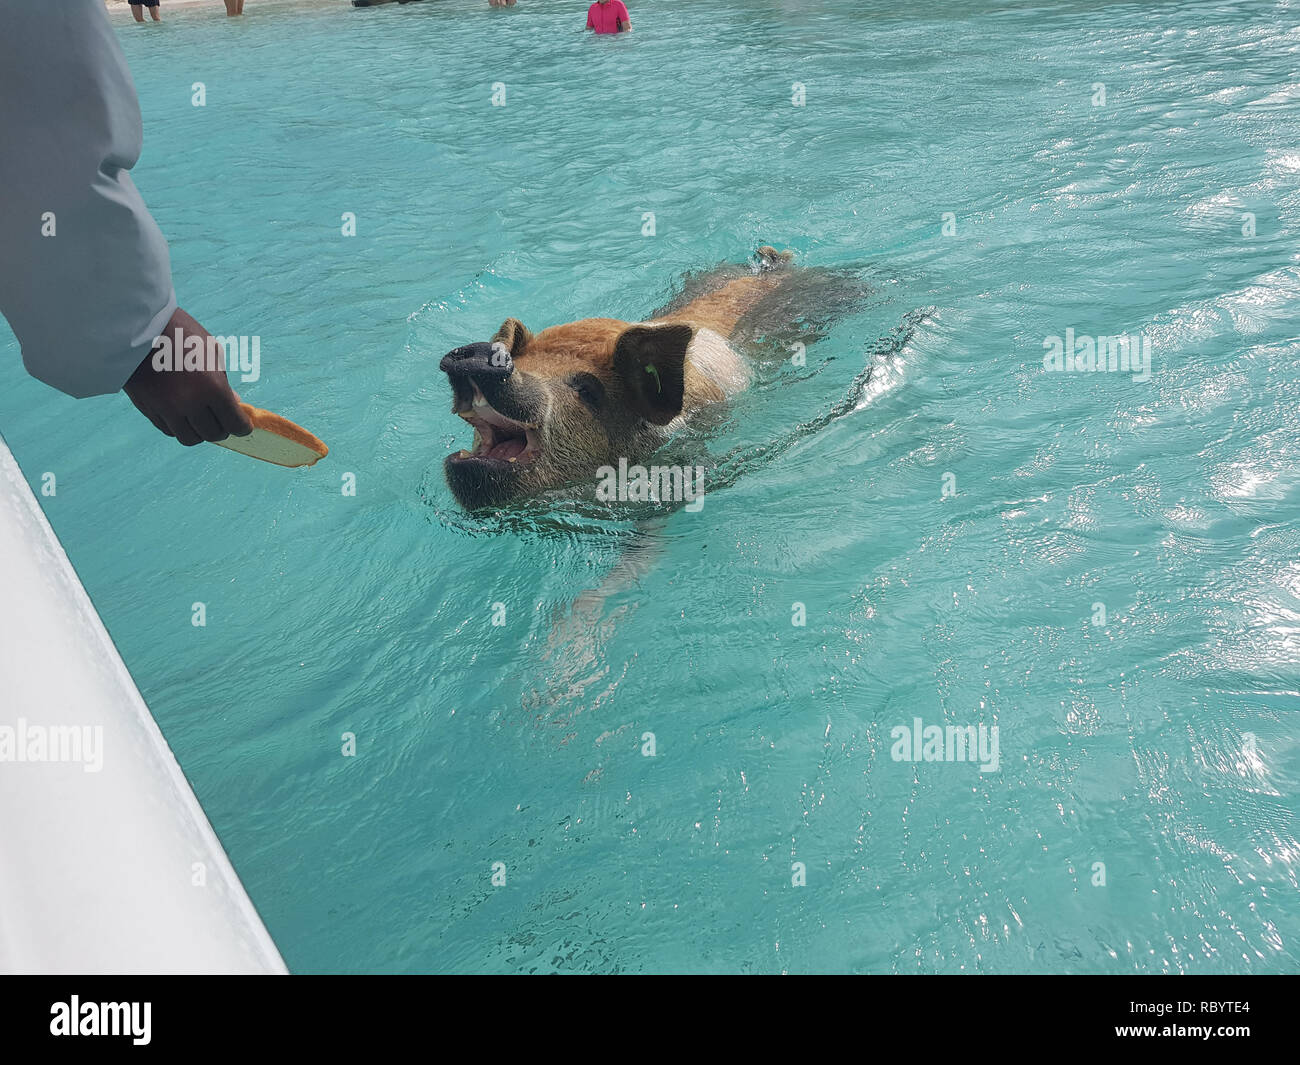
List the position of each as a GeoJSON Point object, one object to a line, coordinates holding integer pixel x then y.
{"type": "Point", "coordinates": [164, 4]}
{"type": "Point", "coordinates": [114, 5]}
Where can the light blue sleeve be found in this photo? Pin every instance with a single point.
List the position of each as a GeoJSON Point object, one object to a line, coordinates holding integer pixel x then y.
{"type": "Point", "coordinates": [85, 278]}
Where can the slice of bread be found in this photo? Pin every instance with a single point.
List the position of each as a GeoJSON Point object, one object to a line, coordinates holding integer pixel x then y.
{"type": "Point", "coordinates": [278, 440]}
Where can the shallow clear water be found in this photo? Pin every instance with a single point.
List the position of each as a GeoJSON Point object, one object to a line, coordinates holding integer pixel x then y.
{"type": "Point", "coordinates": [1172, 502]}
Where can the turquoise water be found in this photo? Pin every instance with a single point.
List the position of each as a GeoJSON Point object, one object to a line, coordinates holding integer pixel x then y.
{"type": "Point", "coordinates": [1162, 743]}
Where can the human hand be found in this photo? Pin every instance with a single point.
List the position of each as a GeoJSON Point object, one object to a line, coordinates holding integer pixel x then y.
{"type": "Point", "coordinates": [190, 405]}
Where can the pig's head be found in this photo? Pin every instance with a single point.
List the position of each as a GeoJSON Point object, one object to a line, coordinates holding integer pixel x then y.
{"type": "Point", "coordinates": [551, 409]}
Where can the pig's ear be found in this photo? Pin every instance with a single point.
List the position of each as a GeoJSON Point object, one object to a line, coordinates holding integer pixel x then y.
{"type": "Point", "coordinates": [650, 360]}
{"type": "Point", "coordinates": [514, 335]}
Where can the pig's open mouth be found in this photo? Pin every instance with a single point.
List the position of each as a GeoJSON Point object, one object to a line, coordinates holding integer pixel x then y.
{"type": "Point", "coordinates": [497, 438]}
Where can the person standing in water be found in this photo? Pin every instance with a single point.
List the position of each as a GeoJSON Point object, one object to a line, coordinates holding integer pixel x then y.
{"type": "Point", "coordinates": [138, 6]}
{"type": "Point", "coordinates": [609, 16]}
{"type": "Point", "coordinates": [234, 7]}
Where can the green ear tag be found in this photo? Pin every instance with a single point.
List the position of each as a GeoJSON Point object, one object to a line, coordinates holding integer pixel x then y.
{"type": "Point", "coordinates": [651, 369]}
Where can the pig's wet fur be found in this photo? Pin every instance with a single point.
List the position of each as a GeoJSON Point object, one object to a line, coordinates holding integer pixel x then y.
{"type": "Point", "coordinates": [550, 409]}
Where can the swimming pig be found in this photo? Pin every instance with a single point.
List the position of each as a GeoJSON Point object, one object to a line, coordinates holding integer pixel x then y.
{"type": "Point", "coordinates": [551, 408]}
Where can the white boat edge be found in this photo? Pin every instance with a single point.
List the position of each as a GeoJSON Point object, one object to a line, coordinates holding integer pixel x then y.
{"type": "Point", "coordinates": [107, 871]}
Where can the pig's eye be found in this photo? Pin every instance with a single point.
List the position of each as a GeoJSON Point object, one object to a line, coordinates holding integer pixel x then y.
{"type": "Point", "coordinates": [589, 389]}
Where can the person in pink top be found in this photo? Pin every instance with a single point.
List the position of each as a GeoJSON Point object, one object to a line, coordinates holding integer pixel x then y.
{"type": "Point", "coordinates": [609, 16]}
